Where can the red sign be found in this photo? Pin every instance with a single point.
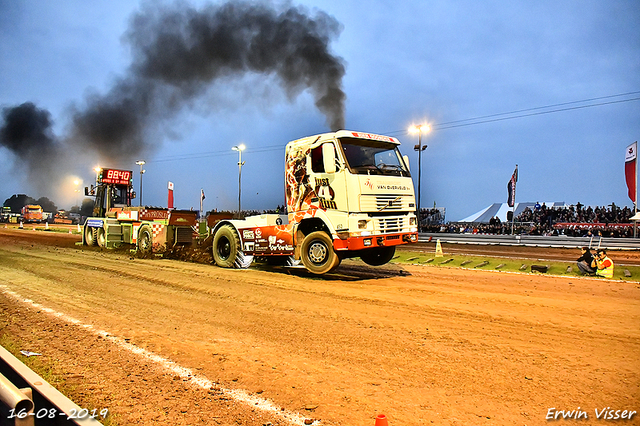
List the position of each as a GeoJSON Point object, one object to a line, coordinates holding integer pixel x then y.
{"type": "Point", "coordinates": [373, 137]}
{"type": "Point", "coordinates": [116, 177]}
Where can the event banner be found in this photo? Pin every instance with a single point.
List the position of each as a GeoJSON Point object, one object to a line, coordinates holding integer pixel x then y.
{"type": "Point", "coordinates": [511, 188]}
{"type": "Point", "coordinates": [170, 195]}
{"type": "Point", "coordinates": [630, 169]}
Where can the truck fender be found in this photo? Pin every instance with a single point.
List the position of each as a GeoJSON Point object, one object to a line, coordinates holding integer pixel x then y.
{"type": "Point", "coordinates": [238, 260]}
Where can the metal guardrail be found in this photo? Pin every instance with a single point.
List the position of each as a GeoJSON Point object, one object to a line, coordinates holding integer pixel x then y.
{"type": "Point", "coordinates": [533, 240]}
{"type": "Point", "coordinates": [18, 401]}
{"type": "Point", "coordinates": [37, 402]}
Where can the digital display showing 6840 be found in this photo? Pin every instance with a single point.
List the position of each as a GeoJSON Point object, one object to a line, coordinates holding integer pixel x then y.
{"type": "Point", "coordinates": [116, 177]}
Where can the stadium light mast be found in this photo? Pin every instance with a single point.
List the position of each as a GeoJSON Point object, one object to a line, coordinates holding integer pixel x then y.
{"type": "Point", "coordinates": [419, 129]}
{"type": "Point", "coordinates": [141, 163]}
{"type": "Point", "coordinates": [239, 148]}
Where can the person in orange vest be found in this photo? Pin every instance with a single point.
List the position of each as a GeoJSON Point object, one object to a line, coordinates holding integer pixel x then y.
{"type": "Point", "coordinates": [603, 264]}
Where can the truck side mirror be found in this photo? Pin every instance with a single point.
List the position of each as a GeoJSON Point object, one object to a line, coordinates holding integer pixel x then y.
{"type": "Point", "coordinates": [329, 158]}
{"type": "Point", "coordinates": [406, 161]}
{"type": "Point", "coordinates": [86, 191]}
{"type": "Point", "coordinates": [133, 195]}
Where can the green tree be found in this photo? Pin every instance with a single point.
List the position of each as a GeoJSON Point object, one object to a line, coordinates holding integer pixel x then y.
{"type": "Point", "coordinates": [18, 201]}
{"type": "Point", "coordinates": [47, 205]}
{"type": "Point", "coordinates": [87, 207]}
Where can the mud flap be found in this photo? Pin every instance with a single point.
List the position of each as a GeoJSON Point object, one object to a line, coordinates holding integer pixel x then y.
{"type": "Point", "coordinates": [293, 263]}
{"type": "Point", "coordinates": [242, 261]}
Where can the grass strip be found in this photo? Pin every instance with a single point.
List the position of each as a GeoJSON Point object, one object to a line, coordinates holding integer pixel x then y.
{"type": "Point", "coordinates": [506, 264]}
{"type": "Point", "coordinates": [52, 372]}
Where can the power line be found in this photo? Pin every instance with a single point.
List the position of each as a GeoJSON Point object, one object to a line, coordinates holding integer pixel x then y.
{"type": "Point", "coordinates": [198, 155]}
{"type": "Point", "coordinates": [444, 127]}
{"type": "Point", "coordinates": [543, 107]}
{"type": "Point", "coordinates": [530, 112]}
{"type": "Point", "coordinates": [491, 118]}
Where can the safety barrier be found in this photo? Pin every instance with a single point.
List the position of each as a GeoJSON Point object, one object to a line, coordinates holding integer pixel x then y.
{"type": "Point", "coordinates": [18, 401]}
{"type": "Point", "coordinates": [36, 399]}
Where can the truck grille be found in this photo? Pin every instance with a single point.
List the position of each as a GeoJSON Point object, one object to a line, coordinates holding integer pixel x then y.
{"type": "Point", "coordinates": [390, 225]}
{"type": "Point", "coordinates": [374, 203]}
{"type": "Point", "coordinates": [184, 235]}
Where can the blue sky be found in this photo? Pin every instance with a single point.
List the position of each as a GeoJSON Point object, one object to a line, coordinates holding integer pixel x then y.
{"type": "Point", "coordinates": [405, 63]}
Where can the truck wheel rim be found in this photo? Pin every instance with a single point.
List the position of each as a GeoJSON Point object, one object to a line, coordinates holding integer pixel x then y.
{"type": "Point", "coordinates": [317, 252]}
{"type": "Point", "coordinates": [224, 248]}
{"type": "Point", "coordinates": [144, 243]}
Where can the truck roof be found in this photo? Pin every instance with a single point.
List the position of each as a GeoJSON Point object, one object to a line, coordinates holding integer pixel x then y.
{"type": "Point", "coordinates": [348, 134]}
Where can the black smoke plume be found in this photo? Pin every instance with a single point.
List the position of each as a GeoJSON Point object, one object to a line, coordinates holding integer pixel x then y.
{"type": "Point", "coordinates": [26, 131]}
{"type": "Point", "coordinates": [179, 51]}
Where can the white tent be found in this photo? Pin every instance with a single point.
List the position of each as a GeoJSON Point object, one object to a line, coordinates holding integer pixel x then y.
{"type": "Point", "coordinates": [500, 210]}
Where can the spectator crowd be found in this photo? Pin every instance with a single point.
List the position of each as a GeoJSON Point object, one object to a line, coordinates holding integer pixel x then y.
{"type": "Point", "coordinates": [573, 220]}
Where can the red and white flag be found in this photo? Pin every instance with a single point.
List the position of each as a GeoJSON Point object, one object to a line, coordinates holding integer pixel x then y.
{"type": "Point", "coordinates": [630, 169]}
{"type": "Point", "coordinates": [170, 199]}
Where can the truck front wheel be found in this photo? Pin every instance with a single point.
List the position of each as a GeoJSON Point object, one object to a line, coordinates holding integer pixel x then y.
{"type": "Point", "coordinates": [226, 246]}
{"type": "Point", "coordinates": [317, 253]}
{"type": "Point", "coordinates": [378, 256]}
{"type": "Point", "coordinates": [90, 237]}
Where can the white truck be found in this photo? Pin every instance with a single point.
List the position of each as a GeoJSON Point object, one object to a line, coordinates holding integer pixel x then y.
{"type": "Point", "coordinates": [348, 194]}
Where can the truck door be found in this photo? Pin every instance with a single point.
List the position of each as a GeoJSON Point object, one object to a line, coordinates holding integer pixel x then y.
{"type": "Point", "coordinates": [328, 183]}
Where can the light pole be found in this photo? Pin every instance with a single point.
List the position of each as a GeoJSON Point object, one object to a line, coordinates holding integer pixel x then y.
{"type": "Point", "coordinates": [419, 129]}
{"type": "Point", "coordinates": [239, 148]}
{"type": "Point", "coordinates": [141, 163]}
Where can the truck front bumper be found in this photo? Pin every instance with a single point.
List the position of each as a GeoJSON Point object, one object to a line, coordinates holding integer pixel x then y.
{"type": "Point", "coordinates": [346, 242]}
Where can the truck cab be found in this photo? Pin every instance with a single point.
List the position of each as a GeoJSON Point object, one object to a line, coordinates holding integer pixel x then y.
{"type": "Point", "coordinates": [32, 213]}
{"type": "Point", "coordinates": [348, 194]}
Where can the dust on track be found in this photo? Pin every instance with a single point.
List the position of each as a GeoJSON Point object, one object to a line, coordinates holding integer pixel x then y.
{"type": "Point", "coordinates": [423, 345]}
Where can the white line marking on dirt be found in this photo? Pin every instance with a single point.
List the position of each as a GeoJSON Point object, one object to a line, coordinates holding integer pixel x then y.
{"type": "Point", "coordinates": [238, 395]}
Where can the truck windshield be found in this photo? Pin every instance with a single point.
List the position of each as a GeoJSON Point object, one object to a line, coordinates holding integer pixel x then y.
{"type": "Point", "coordinates": [119, 196]}
{"type": "Point", "coordinates": [369, 157]}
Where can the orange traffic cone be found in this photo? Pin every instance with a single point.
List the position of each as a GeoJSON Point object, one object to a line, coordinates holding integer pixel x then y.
{"type": "Point", "coordinates": [20, 226]}
{"type": "Point", "coordinates": [381, 420]}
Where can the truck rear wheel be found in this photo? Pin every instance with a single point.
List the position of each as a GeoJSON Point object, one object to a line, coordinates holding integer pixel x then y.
{"type": "Point", "coordinates": [90, 237]}
{"type": "Point", "coordinates": [317, 253]}
{"type": "Point", "coordinates": [378, 256]}
{"type": "Point", "coordinates": [145, 239]}
{"type": "Point", "coordinates": [226, 246]}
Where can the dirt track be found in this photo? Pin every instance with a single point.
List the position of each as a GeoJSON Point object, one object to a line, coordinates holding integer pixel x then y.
{"type": "Point", "coordinates": [423, 345]}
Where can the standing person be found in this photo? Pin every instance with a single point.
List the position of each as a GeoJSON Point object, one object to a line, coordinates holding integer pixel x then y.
{"type": "Point", "coordinates": [603, 263]}
{"type": "Point", "coordinates": [585, 261]}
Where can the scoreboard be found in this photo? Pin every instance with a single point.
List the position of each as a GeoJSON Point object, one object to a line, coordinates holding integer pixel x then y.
{"type": "Point", "coordinates": [115, 177]}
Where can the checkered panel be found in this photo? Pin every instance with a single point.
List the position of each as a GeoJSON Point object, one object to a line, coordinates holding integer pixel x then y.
{"type": "Point", "coordinates": [156, 229]}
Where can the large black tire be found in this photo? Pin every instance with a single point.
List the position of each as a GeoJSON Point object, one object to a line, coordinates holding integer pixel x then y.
{"type": "Point", "coordinates": [90, 236]}
{"type": "Point", "coordinates": [101, 237]}
{"type": "Point", "coordinates": [378, 256]}
{"type": "Point", "coordinates": [145, 239]}
{"type": "Point", "coordinates": [226, 246]}
{"type": "Point", "coordinates": [317, 253]}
